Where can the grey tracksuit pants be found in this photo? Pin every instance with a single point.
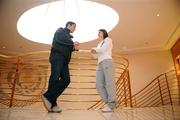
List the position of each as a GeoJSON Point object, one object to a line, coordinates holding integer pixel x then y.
{"type": "Point", "coordinates": [105, 82]}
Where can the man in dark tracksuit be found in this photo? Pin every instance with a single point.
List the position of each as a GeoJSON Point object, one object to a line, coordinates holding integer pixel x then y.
{"type": "Point", "coordinates": [60, 56]}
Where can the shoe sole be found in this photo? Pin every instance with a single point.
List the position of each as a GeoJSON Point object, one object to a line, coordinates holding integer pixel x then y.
{"type": "Point", "coordinates": [55, 111]}
{"type": "Point", "coordinates": [49, 110]}
{"type": "Point", "coordinates": [107, 111]}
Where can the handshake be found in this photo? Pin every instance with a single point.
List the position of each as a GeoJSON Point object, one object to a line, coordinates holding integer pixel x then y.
{"type": "Point", "coordinates": [77, 47]}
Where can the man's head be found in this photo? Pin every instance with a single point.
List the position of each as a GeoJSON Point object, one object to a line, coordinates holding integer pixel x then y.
{"type": "Point", "coordinates": [71, 26]}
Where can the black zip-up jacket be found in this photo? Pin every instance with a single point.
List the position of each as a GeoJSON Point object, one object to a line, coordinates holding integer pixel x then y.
{"type": "Point", "coordinates": [62, 43]}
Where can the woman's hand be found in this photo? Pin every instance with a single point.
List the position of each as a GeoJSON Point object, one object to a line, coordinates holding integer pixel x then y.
{"type": "Point", "coordinates": [93, 51]}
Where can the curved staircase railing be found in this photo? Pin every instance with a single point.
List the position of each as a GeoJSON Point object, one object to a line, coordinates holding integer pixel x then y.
{"type": "Point", "coordinates": [24, 78]}
{"type": "Point", "coordinates": [163, 90]}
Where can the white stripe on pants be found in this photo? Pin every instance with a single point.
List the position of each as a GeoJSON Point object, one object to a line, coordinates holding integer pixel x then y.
{"type": "Point", "coordinates": [105, 81]}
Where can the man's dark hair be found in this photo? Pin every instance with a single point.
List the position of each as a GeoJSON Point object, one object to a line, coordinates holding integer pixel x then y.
{"type": "Point", "coordinates": [105, 34]}
{"type": "Point", "coordinates": [70, 23]}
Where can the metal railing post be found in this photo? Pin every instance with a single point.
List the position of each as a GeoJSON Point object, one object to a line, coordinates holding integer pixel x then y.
{"type": "Point", "coordinates": [14, 81]}
{"type": "Point", "coordinates": [160, 91]}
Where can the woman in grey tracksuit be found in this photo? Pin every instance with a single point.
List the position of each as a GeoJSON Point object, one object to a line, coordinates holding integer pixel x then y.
{"type": "Point", "coordinates": [105, 73]}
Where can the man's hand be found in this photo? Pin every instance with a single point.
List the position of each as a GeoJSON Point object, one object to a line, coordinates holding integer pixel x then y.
{"type": "Point", "coordinates": [76, 46]}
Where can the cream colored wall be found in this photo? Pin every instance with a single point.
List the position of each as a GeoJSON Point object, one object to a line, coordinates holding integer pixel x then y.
{"type": "Point", "coordinates": [144, 67]}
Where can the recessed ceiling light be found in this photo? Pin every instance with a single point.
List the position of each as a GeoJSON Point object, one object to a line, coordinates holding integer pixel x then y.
{"type": "Point", "coordinates": [158, 15]}
{"type": "Point", "coordinates": [40, 23]}
{"type": "Point", "coordinates": [3, 47]}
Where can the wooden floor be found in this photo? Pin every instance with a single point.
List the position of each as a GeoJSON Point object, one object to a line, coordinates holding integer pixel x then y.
{"type": "Point", "coordinates": [149, 113]}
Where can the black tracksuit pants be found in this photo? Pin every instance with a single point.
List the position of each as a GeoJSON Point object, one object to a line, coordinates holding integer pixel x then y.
{"type": "Point", "coordinates": [59, 78]}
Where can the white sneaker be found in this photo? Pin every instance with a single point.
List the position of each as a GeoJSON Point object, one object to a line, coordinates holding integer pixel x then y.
{"type": "Point", "coordinates": [46, 103]}
{"type": "Point", "coordinates": [56, 109]}
{"type": "Point", "coordinates": [107, 109]}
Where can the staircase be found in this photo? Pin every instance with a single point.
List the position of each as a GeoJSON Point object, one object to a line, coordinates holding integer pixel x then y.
{"type": "Point", "coordinates": [24, 78]}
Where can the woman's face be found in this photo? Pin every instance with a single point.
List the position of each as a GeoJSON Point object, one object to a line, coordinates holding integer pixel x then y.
{"type": "Point", "coordinates": [100, 34]}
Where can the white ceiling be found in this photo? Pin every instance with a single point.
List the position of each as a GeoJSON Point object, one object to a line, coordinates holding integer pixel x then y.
{"type": "Point", "coordinates": [139, 28]}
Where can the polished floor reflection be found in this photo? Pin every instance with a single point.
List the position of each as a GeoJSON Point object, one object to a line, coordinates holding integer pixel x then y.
{"type": "Point", "coordinates": [149, 113]}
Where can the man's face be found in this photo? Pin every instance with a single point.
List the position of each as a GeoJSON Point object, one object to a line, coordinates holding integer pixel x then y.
{"type": "Point", "coordinates": [72, 28]}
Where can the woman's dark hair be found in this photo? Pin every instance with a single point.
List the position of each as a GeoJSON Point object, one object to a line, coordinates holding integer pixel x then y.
{"type": "Point", "coordinates": [70, 23]}
{"type": "Point", "coordinates": [105, 34]}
